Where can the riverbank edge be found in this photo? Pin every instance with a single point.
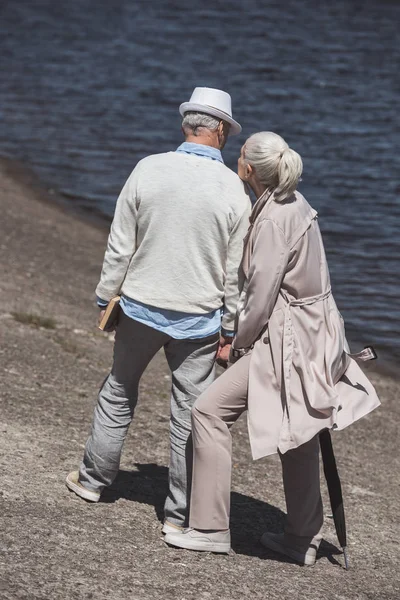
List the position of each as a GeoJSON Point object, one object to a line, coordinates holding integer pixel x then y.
{"type": "Point", "coordinates": [38, 189]}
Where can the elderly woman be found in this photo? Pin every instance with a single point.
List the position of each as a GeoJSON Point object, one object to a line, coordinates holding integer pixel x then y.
{"type": "Point", "coordinates": [292, 372]}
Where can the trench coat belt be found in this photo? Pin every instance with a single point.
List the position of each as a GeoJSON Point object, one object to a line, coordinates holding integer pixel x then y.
{"type": "Point", "coordinates": [288, 339]}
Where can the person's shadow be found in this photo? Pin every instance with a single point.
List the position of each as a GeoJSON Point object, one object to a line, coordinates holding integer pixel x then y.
{"type": "Point", "coordinates": [249, 517]}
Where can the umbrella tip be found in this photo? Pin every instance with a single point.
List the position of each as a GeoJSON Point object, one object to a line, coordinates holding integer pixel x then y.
{"type": "Point", "coordinates": [346, 560]}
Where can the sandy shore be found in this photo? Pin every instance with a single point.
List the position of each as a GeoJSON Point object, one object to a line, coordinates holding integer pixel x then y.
{"type": "Point", "coordinates": [55, 546]}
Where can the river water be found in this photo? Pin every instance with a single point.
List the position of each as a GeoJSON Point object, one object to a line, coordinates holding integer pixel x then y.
{"type": "Point", "coordinates": [89, 87]}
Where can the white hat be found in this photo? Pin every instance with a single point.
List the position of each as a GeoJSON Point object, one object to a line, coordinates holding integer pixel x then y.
{"type": "Point", "coordinates": [212, 102]}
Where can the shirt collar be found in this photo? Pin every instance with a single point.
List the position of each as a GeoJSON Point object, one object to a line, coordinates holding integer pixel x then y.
{"type": "Point", "coordinates": [200, 150]}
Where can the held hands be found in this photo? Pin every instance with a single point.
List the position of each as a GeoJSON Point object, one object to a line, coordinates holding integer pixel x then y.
{"type": "Point", "coordinates": [224, 350]}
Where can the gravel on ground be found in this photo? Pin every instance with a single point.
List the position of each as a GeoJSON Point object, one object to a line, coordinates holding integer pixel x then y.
{"type": "Point", "coordinates": [55, 546]}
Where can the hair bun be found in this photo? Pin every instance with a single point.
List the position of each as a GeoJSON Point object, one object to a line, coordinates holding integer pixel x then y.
{"type": "Point", "coordinates": [282, 174]}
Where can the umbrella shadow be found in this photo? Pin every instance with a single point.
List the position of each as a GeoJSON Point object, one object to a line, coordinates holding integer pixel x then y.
{"type": "Point", "coordinates": [329, 551]}
{"type": "Point", "coordinates": [250, 517]}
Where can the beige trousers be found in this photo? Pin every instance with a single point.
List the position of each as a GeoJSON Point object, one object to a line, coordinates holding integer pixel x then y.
{"type": "Point", "coordinates": [213, 414]}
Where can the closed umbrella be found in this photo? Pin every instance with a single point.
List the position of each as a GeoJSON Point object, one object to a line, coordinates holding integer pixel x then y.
{"type": "Point", "coordinates": [334, 489]}
{"type": "Point", "coordinates": [331, 472]}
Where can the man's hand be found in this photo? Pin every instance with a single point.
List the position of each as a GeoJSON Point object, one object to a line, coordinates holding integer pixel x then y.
{"type": "Point", "coordinates": [224, 349]}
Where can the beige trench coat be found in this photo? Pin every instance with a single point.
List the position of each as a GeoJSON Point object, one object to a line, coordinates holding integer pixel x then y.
{"type": "Point", "coordinates": [301, 378]}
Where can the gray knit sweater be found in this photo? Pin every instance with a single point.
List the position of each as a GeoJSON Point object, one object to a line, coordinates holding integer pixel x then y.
{"type": "Point", "coordinates": [176, 240]}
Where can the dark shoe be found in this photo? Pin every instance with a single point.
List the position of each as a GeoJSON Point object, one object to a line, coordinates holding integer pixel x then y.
{"type": "Point", "coordinates": [276, 542]}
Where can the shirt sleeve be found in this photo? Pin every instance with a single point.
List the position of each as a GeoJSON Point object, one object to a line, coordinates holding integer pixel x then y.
{"type": "Point", "coordinates": [101, 303]}
{"type": "Point", "coordinates": [121, 244]}
{"type": "Point", "coordinates": [234, 259]}
{"type": "Point", "coordinates": [268, 264]}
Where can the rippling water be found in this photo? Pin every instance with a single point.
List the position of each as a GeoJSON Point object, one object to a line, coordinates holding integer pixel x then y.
{"type": "Point", "coordinates": [87, 88]}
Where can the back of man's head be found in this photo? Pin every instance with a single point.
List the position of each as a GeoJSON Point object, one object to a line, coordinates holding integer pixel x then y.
{"type": "Point", "coordinates": [201, 128]}
{"type": "Point", "coordinates": [194, 123]}
{"type": "Point", "coordinates": [207, 117]}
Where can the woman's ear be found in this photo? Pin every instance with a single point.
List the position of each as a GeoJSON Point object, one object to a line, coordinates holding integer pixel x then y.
{"type": "Point", "coordinates": [248, 171]}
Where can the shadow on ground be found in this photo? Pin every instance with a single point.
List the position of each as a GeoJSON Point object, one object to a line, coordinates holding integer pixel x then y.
{"type": "Point", "coordinates": [250, 517]}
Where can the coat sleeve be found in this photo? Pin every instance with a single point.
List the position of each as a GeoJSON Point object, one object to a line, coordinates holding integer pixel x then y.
{"type": "Point", "coordinates": [268, 264]}
{"type": "Point", "coordinates": [121, 244]}
{"type": "Point", "coordinates": [234, 259]}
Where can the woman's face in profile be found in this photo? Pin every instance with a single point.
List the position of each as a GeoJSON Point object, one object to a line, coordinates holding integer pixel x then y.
{"type": "Point", "coordinates": [242, 165]}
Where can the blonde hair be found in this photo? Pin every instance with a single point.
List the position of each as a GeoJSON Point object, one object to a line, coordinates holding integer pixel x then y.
{"type": "Point", "coordinates": [276, 165]}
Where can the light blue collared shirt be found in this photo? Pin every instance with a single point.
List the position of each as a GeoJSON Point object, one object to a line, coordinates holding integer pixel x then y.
{"type": "Point", "coordinates": [200, 150]}
{"type": "Point", "coordinates": [178, 325]}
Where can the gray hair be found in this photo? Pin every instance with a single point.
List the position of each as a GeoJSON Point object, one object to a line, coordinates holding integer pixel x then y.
{"type": "Point", "coordinates": [192, 121]}
{"type": "Point", "coordinates": [276, 165]}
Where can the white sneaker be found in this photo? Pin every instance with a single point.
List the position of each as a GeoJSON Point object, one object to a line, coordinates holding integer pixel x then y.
{"type": "Point", "coordinates": [74, 485]}
{"type": "Point", "coordinates": [171, 528]}
{"type": "Point", "coordinates": [191, 539]}
{"type": "Point", "coordinates": [276, 542]}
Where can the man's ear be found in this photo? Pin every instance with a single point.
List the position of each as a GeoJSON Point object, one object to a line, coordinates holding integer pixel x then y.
{"type": "Point", "coordinates": [222, 133]}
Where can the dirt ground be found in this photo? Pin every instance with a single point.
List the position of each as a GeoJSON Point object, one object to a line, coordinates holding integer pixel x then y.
{"type": "Point", "coordinates": [54, 545]}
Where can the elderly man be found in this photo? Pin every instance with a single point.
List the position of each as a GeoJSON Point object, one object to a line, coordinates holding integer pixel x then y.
{"type": "Point", "coordinates": [173, 253]}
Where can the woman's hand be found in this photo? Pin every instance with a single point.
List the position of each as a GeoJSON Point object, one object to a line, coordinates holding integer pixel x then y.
{"type": "Point", "coordinates": [236, 355]}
